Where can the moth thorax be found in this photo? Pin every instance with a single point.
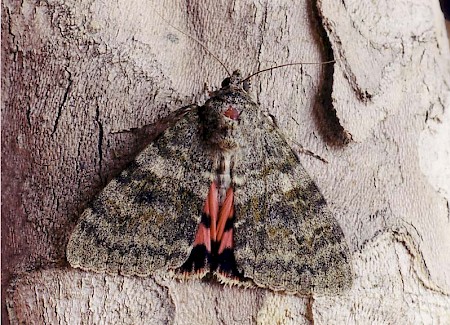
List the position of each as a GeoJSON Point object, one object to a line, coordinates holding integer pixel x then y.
{"type": "Point", "coordinates": [220, 122]}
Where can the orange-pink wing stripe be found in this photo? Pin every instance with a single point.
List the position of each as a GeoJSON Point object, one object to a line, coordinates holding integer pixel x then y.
{"type": "Point", "coordinates": [226, 242]}
{"type": "Point", "coordinates": [213, 204]}
{"type": "Point", "coordinates": [202, 237]}
{"type": "Point", "coordinates": [226, 212]}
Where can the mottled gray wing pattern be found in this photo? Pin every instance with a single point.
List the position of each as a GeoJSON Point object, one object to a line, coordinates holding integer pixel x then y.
{"type": "Point", "coordinates": [146, 218]}
{"type": "Point", "coordinates": [285, 236]}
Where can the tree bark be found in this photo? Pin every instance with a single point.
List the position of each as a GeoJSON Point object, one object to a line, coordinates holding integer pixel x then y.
{"type": "Point", "coordinates": [75, 75]}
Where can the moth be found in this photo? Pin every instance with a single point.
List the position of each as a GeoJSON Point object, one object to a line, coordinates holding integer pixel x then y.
{"type": "Point", "coordinates": [220, 192]}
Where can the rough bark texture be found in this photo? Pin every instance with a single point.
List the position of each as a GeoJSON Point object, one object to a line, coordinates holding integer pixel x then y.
{"type": "Point", "coordinates": [76, 73]}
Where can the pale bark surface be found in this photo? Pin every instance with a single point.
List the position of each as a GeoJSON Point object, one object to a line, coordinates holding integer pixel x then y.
{"type": "Point", "coordinates": [76, 73]}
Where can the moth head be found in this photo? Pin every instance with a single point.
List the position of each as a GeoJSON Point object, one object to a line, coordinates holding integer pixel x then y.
{"type": "Point", "coordinates": [222, 113]}
{"type": "Point", "coordinates": [235, 82]}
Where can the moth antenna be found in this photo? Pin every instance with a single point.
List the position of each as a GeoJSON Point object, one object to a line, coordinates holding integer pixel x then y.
{"type": "Point", "coordinates": [195, 40]}
{"type": "Point", "coordinates": [286, 65]}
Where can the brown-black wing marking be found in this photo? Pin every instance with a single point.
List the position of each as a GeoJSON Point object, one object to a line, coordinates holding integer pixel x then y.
{"type": "Point", "coordinates": [285, 237]}
{"type": "Point", "coordinates": [224, 265]}
{"type": "Point", "coordinates": [146, 218]}
{"type": "Point", "coordinates": [201, 256]}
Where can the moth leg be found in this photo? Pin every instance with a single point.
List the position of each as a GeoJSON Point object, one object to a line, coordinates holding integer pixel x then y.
{"type": "Point", "coordinates": [206, 234]}
{"type": "Point", "coordinates": [304, 151]}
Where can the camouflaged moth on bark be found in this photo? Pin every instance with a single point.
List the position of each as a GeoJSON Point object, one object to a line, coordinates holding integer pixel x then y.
{"type": "Point", "coordinates": [218, 192]}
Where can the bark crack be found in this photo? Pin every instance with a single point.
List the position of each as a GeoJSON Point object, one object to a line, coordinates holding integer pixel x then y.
{"type": "Point", "coordinates": [63, 102]}
{"type": "Point", "coordinates": [325, 113]}
{"type": "Point", "coordinates": [418, 262]}
{"type": "Point", "coordinates": [262, 28]}
{"type": "Point", "coordinates": [10, 32]}
{"type": "Point", "coordinates": [79, 165]}
{"type": "Point", "coordinates": [448, 211]}
{"type": "Point", "coordinates": [309, 311]}
{"type": "Point", "coordinates": [28, 115]}
{"type": "Point", "coordinates": [100, 141]}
